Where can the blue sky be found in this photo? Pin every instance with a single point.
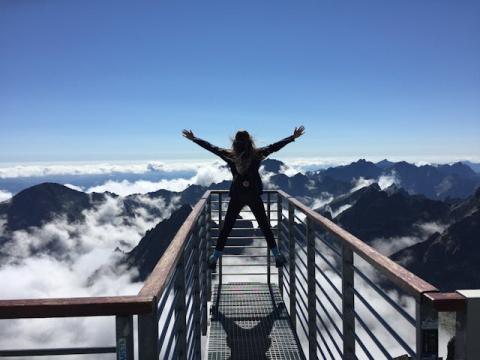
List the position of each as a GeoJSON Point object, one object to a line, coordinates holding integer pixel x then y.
{"type": "Point", "coordinates": [118, 80]}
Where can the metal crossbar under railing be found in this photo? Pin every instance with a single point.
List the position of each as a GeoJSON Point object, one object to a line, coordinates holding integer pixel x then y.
{"type": "Point", "coordinates": [332, 285]}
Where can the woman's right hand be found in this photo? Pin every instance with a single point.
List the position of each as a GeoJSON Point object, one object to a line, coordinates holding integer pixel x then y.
{"type": "Point", "coordinates": [188, 134]}
{"type": "Point", "coordinates": [298, 131]}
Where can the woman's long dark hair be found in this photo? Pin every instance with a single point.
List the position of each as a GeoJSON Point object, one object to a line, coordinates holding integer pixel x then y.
{"type": "Point", "coordinates": [243, 149]}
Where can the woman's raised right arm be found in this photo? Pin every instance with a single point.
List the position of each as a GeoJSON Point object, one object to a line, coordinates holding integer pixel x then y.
{"type": "Point", "coordinates": [221, 152]}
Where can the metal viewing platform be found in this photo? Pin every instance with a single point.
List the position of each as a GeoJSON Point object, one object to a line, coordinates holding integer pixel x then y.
{"type": "Point", "coordinates": [336, 298]}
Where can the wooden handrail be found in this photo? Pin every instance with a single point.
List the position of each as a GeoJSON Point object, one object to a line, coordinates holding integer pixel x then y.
{"type": "Point", "coordinates": [158, 279]}
{"type": "Point", "coordinates": [72, 307]}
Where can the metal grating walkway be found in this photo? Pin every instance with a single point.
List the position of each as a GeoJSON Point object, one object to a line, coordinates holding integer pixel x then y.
{"type": "Point", "coordinates": [250, 321]}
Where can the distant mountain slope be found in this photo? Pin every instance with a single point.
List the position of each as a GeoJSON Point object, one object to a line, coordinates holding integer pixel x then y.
{"type": "Point", "coordinates": [438, 182]}
{"type": "Point", "coordinates": [375, 213]}
{"type": "Point", "coordinates": [360, 168]}
{"type": "Point", "coordinates": [450, 260]}
{"type": "Point", "coordinates": [41, 203]}
{"type": "Point", "coordinates": [152, 246]}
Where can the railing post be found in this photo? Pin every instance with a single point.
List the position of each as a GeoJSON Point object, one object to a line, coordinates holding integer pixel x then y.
{"type": "Point", "coordinates": [291, 245]}
{"type": "Point", "coordinates": [196, 290]}
{"type": "Point", "coordinates": [467, 329]}
{"type": "Point", "coordinates": [348, 304]}
{"type": "Point", "coordinates": [279, 220]}
{"type": "Point", "coordinates": [180, 310]}
{"type": "Point", "coordinates": [427, 330]}
{"type": "Point", "coordinates": [312, 314]}
{"type": "Point", "coordinates": [124, 337]}
{"type": "Point", "coordinates": [148, 335]}
{"type": "Point", "coordinates": [268, 250]}
{"type": "Point", "coordinates": [208, 234]}
{"type": "Point", "coordinates": [220, 222]}
{"type": "Point", "coordinates": [205, 273]}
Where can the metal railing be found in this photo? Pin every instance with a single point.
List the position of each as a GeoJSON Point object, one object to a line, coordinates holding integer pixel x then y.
{"type": "Point", "coordinates": [338, 288]}
{"type": "Point", "coordinates": [332, 286]}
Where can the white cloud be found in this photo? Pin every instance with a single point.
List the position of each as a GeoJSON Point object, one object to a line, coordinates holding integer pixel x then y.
{"type": "Point", "coordinates": [340, 210]}
{"type": "Point", "coordinates": [361, 182]}
{"type": "Point", "coordinates": [391, 245]}
{"type": "Point", "coordinates": [323, 200]}
{"type": "Point", "coordinates": [74, 187]}
{"type": "Point", "coordinates": [5, 195]}
{"type": "Point", "coordinates": [383, 181]}
{"type": "Point", "coordinates": [420, 233]}
{"type": "Point", "coordinates": [125, 187]}
{"type": "Point", "coordinates": [205, 175]}
{"type": "Point", "coordinates": [386, 181]}
{"type": "Point", "coordinates": [96, 168]}
{"type": "Point", "coordinates": [32, 272]}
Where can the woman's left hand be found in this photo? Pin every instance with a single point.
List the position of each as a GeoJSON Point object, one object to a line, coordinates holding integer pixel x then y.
{"type": "Point", "coordinates": [188, 134]}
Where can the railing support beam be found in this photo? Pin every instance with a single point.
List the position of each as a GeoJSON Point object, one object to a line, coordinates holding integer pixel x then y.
{"type": "Point", "coordinates": [197, 307]}
{"type": "Point", "coordinates": [291, 246]}
{"type": "Point", "coordinates": [148, 335]}
{"type": "Point", "coordinates": [180, 310]}
{"type": "Point", "coordinates": [209, 245]}
{"type": "Point", "coordinates": [268, 249]}
{"type": "Point", "coordinates": [124, 337]}
{"type": "Point", "coordinates": [312, 314]}
{"type": "Point", "coordinates": [220, 224]}
{"type": "Point", "coordinates": [467, 345]}
{"type": "Point", "coordinates": [427, 330]}
{"type": "Point", "coordinates": [279, 240]}
{"type": "Point", "coordinates": [348, 304]}
{"type": "Point", "coordinates": [205, 272]}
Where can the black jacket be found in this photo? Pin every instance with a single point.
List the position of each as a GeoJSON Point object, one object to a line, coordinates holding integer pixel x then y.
{"type": "Point", "coordinates": [251, 176]}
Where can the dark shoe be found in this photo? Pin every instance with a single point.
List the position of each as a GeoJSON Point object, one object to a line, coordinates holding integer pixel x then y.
{"type": "Point", "coordinates": [212, 262]}
{"type": "Point", "coordinates": [280, 260]}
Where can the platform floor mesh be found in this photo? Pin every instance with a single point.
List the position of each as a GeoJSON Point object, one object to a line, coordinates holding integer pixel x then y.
{"type": "Point", "coordinates": [250, 321]}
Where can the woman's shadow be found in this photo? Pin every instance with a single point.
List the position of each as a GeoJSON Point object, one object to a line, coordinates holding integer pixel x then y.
{"type": "Point", "coordinates": [250, 342]}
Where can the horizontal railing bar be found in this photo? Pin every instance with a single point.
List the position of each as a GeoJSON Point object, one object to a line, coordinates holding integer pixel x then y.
{"type": "Point", "coordinates": [324, 344]}
{"type": "Point", "coordinates": [243, 237]}
{"type": "Point", "coordinates": [246, 274]}
{"type": "Point", "coordinates": [330, 246]}
{"type": "Point", "coordinates": [372, 336]}
{"type": "Point", "coordinates": [237, 228]}
{"type": "Point", "coordinates": [364, 348]}
{"type": "Point", "coordinates": [329, 333]}
{"type": "Point", "coordinates": [166, 325]}
{"type": "Point", "coordinates": [385, 296]}
{"type": "Point", "coordinates": [325, 294]}
{"type": "Point", "coordinates": [329, 264]}
{"type": "Point", "coordinates": [59, 351]}
{"type": "Point", "coordinates": [242, 247]}
{"type": "Point", "coordinates": [244, 256]}
{"type": "Point", "coordinates": [76, 307]}
{"type": "Point", "coordinates": [398, 274]}
{"type": "Point", "coordinates": [301, 221]}
{"type": "Point", "coordinates": [339, 333]}
{"type": "Point", "coordinates": [387, 327]}
{"type": "Point", "coordinates": [304, 317]}
{"type": "Point", "coordinates": [225, 191]}
{"type": "Point", "coordinates": [247, 265]}
{"type": "Point", "coordinates": [299, 232]}
{"type": "Point", "coordinates": [169, 344]}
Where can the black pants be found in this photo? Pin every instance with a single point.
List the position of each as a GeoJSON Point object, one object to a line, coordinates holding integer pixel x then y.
{"type": "Point", "coordinates": [235, 205]}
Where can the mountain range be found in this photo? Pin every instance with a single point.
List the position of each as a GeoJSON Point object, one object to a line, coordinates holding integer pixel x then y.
{"type": "Point", "coordinates": [357, 196]}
